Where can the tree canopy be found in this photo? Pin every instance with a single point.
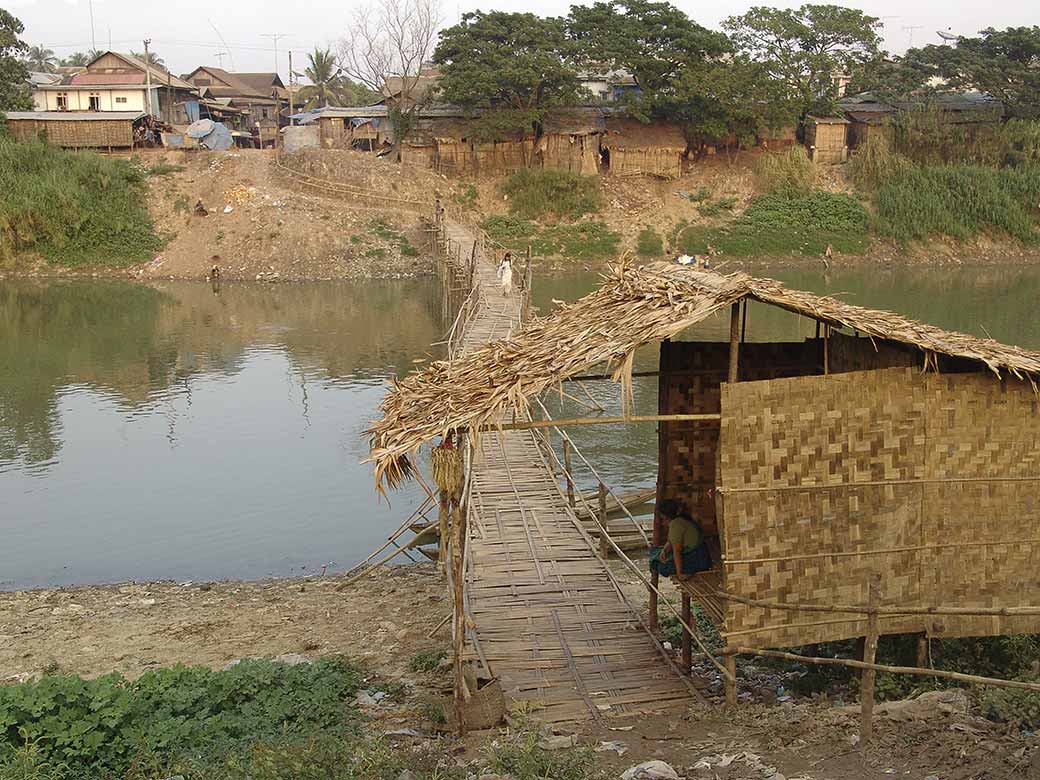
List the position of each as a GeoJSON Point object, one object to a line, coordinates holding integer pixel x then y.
{"type": "Point", "coordinates": [654, 41]}
{"type": "Point", "coordinates": [516, 62]}
{"type": "Point", "coordinates": [806, 48]}
{"type": "Point", "coordinates": [41, 59]}
{"type": "Point", "coordinates": [14, 90]}
{"type": "Point", "coordinates": [329, 84]}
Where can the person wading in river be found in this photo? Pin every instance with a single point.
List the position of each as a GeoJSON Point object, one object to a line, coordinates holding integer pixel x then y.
{"type": "Point", "coordinates": [685, 553]}
{"type": "Point", "coordinates": [505, 275]}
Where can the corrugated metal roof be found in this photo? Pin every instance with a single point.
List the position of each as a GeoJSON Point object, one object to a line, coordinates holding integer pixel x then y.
{"type": "Point", "coordinates": [76, 116]}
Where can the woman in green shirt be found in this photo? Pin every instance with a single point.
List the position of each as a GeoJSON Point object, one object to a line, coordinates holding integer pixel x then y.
{"type": "Point", "coordinates": [685, 553]}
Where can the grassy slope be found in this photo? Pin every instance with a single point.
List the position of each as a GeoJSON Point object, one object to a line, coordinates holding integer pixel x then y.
{"type": "Point", "coordinates": [73, 208]}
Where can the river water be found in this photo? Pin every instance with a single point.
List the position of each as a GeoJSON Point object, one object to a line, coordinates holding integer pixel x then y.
{"type": "Point", "coordinates": [174, 432]}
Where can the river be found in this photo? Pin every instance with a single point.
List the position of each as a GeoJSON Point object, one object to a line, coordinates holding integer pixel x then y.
{"type": "Point", "coordinates": [173, 432]}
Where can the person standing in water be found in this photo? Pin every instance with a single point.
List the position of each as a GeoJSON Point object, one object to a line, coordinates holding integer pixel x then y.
{"type": "Point", "coordinates": [505, 275]}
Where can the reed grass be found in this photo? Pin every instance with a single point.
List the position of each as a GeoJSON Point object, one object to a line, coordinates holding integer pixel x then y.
{"type": "Point", "coordinates": [550, 193]}
{"type": "Point", "coordinates": [74, 208]}
{"type": "Point", "coordinates": [788, 173]}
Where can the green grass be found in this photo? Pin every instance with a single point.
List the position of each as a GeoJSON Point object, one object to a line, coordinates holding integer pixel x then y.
{"type": "Point", "coordinates": [74, 208]}
{"type": "Point", "coordinates": [779, 225]}
{"type": "Point", "coordinates": [713, 208]}
{"type": "Point", "coordinates": [164, 169]}
{"type": "Point", "coordinates": [959, 202]}
{"type": "Point", "coordinates": [787, 173]}
{"type": "Point", "coordinates": [585, 240]}
{"type": "Point", "coordinates": [427, 660]}
{"type": "Point", "coordinates": [182, 716]}
{"type": "Point", "coordinates": [539, 193]}
{"type": "Point", "coordinates": [649, 243]}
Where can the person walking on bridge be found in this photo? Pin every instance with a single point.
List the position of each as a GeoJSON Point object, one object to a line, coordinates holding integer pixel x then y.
{"type": "Point", "coordinates": [505, 275]}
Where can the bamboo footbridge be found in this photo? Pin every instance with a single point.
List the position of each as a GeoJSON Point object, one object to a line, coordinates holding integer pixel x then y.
{"type": "Point", "coordinates": [546, 617]}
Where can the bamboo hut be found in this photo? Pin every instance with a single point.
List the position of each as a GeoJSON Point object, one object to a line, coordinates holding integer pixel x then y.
{"type": "Point", "coordinates": [76, 129]}
{"type": "Point", "coordinates": [570, 140]}
{"type": "Point", "coordinates": [633, 148]}
{"type": "Point", "coordinates": [878, 450]}
{"type": "Point", "coordinates": [460, 154]}
{"type": "Point", "coordinates": [826, 137]}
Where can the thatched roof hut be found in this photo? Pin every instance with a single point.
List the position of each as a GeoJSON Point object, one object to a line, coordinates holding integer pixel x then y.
{"type": "Point", "coordinates": [635, 148]}
{"type": "Point", "coordinates": [827, 139]}
{"type": "Point", "coordinates": [881, 447]}
{"type": "Point", "coordinates": [570, 139]}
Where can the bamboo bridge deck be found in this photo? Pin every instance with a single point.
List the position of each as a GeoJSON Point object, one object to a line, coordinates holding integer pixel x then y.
{"type": "Point", "coordinates": [550, 621]}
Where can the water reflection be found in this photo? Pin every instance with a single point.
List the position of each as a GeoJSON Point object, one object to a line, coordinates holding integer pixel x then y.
{"type": "Point", "coordinates": [166, 431]}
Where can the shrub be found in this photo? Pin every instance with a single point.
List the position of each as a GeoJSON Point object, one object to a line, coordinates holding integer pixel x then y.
{"type": "Point", "coordinates": [960, 202]}
{"type": "Point", "coordinates": [547, 192]}
{"type": "Point", "coordinates": [785, 225]}
{"type": "Point", "coordinates": [164, 169]}
{"type": "Point", "coordinates": [715, 207]}
{"type": "Point", "coordinates": [101, 726]}
{"type": "Point", "coordinates": [72, 207]}
{"type": "Point", "coordinates": [787, 173]}
{"type": "Point", "coordinates": [517, 754]}
{"type": "Point", "coordinates": [427, 660]}
{"type": "Point", "coordinates": [874, 164]}
{"type": "Point", "coordinates": [649, 243]}
{"type": "Point", "coordinates": [586, 240]}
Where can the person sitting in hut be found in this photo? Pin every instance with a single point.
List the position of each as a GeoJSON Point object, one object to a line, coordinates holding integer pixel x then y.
{"type": "Point", "coordinates": [685, 552]}
{"type": "Point", "coordinates": [505, 274]}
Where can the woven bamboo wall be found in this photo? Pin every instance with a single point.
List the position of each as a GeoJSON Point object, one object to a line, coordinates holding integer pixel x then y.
{"type": "Point", "coordinates": [650, 162]}
{"type": "Point", "coordinates": [575, 153]}
{"type": "Point", "coordinates": [73, 134]}
{"type": "Point", "coordinates": [797, 529]}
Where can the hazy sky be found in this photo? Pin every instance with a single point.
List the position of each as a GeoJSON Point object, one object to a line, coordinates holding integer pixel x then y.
{"type": "Point", "coordinates": [187, 33]}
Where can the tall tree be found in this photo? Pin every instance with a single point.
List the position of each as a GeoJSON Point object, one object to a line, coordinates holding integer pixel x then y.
{"type": "Point", "coordinates": [14, 76]}
{"type": "Point", "coordinates": [516, 63]}
{"type": "Point", "coordinates": [78, 59]}
{"type": "Point", "coordinates": [329, 85]}
{"type": "Point", "coordinates": [1002, 63]}
{"type": "Point", "coordinates": [807, 48]}
{"type": "Point", "coordinates": [41, 59]}
{"type": "Point", "coordinates": [389, 42]}
{"type": "Point", "coordinates": [654, 41]}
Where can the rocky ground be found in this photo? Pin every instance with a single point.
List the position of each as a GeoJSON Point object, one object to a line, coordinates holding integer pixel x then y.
{"type": "Point", "coordinates": [385, 622]}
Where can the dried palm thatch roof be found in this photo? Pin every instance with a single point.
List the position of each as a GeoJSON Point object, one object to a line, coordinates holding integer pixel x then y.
{"type": "Point", "coordinates": [633, 307]}
{"type": "Point", "coordinates": [625, 133]}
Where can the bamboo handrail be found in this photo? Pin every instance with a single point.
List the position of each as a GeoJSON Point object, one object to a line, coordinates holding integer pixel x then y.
{"type": "Point", "coordinates": [969, 678]}
{"type": "Point", "coordinates": [573, 421]}
{"type": "Point", "coordinates": [599, 479]}
{"type": "Point", "coordinates": [875, 483]}
{"type": "Point", "coordinates": [881, 610]}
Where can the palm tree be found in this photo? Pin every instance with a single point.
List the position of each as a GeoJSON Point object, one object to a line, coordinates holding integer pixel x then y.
{"type": "Point", "coordinates": [153, 58]}
{"type": "Point", "coordinates": [78, 59]}
{"type": "Point", "coordinates": [327, 81]}
{"type": "Point", "coordinates": [42, 59]}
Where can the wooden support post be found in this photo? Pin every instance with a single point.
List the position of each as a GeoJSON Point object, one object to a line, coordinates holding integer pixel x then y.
{"type": "Point", "coordinates": [443, 529]}
{"type": "Point", "coordinates": [687, 640]}
{"type": "Point", "coordinates": [459, 636]}
{"type": "Point", "coordinates": [734, 342]}
{"type": "Point", "coordinates": [826, 349]}
{"type": "Point", "coordinates": [567, 469]}
{"type": "Point", "coordinates": [866, 689]}
{"type": "Point", "coordinates": [656, 541]}
{"type": "Point", "coordinates": [603, 546]}
{"type": "Point", "coordinates": [730, 660]}
{"type": "Point", "coordinates": [922, 650]}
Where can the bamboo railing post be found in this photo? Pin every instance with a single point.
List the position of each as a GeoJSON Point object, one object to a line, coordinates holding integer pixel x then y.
{"type": "Point", "coordinates": [730, 660]}
{"type": "Point", "coordinates": [687, 640]}
{"type": "Point", "coordinates": [922, 649]}
{"type": "Point", "coordinates": [567, 471]}
{"type": "Point", "coordinates": [603, 547]}
{"type": "Point", "coordinates": [734, 342]}
{"type": "Point", "coordinates": [458, 638]}
{"type": "Point", "coordinates": [866, 690]}
{"type": "Point", "coordinates": [442, 524]}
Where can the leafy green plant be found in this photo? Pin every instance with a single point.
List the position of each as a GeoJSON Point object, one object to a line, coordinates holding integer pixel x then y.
{"type": "Point", "coordinates": [786, 173]}
{"type": "Point", "coordinates": [586, 240]}
{"type": "Point", "coordinates": [468, 197]}
{"type": "Point", "coordinates": [778, 225]}
{"type": "Point", "coordinates": [104, 725]}
{"type": "Point", "coordinates": [427, 660]}
{"type": "Point", "coordinates": [702, 193]}
{"type": "Point", "coordinates": [517, 753]}
{"type": "Point", "coordinates": [163, 169]}
{"type": "Point", "coordinates": [716, 207]}
{"type": "Point", "coordinates": [74, 208]}
{"type": "Point", "coordinates": [536, 193]}
{"type": "Point", "coordinates": [181, 203]}
{"type": "Point", "coordinates": [407, 248]}
{"type": "Point", "coordinates": [376, 252]}
{"type": "Point", "coordinates": [385, 231]}
{"type": "Point", "coordinates": [649, 243]}
{"type": "Point", "coordinates": [672, 630]}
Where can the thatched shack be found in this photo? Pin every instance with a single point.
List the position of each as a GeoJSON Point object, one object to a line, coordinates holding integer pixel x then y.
{"type": "Point", "coordinates": [634, 148]}
{"type": "Point", "coordinates": [826, 138]}
{"type": "Point", "coordinates": [76, 129]}
{"type": "Point", "coordinates": [459, 153]}
{"type": "Point", "coordinates": [880, 447]}
{"type": "Point", "coordinates": [570, 140]}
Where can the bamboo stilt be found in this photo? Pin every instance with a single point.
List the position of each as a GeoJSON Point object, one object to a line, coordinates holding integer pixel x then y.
{"type": "Point", "coordinates": [730, 660]}
{"type": "Point", "coordinates": [603, 520]}
{"type": "Point", "coordinates": [734, 342]}
{"type": "Point", "coordinates": [567, 471]}
{"type": "Point", "coordinates": [687, 644]}
{"type": "Point", "coordinates": [867, 679]}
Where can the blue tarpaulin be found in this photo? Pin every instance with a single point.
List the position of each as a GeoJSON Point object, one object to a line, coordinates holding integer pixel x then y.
{"type": "Point", "coordinates": [211, 135]}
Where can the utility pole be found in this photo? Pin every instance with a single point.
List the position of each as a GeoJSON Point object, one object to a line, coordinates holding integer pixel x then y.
{"type": "Point", "coordinates": [93, 43]}
{"type": "Point", "coordinates": [148, 76]}
{"type": "Point", "coordinates": [291, 108]}
{"type": "Point", "coordinates": [220, 58]}
{"type": "Point", "coordinates": [274, 37]}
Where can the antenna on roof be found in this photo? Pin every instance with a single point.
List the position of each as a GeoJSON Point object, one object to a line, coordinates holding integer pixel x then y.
{"type": "Point", "coordinates": [910, 30]}
{"type": "Point", "coordinates": [93, 43]}
{"type": "Point", "coordinates": [230, 56]}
